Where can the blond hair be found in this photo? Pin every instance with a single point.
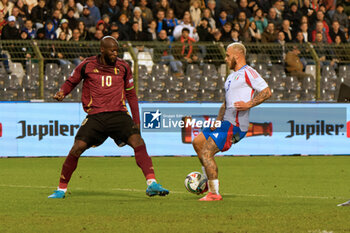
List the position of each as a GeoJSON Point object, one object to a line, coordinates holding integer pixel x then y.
{"type": "Point", "coordinates": [238, 46]}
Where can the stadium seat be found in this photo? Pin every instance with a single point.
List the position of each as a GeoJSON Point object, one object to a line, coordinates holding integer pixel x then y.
{"type": "Point", "coordinates": [50, 83]}
{"type": "Point", "coordinates": [308, 95]}
{"type": "Point", "coordinates": [159, 70]}
{"type": "Point", "coordinates": [206, 95]}
{"type": "Point", "coordinates": [193, 70]}
{"type": "Point", "coordinates": [222, 71]}
{"type": "Point", "coordinates": [309, 83]}
{"type": "Point", "coordinates": [192, 83]}
{"type": "Point", "coordinates": [17, 69]}
{"type": "Point", "coordinates": [52, 70]}
{"type": "Point", "coordinates": [220, 95]}
{"type": "Point", "coordinates": [189, 95]}
{"type": "Point", "coordinates": [263, 70]}
{"type": "Point", "coordinates": [12, 82]}
{"type": "Point", "coordinates": [329, 72]}
{"type": "Point", "coordinates": [142, 70]}
{"type": "Point", "coordinates": [327, 95]}
{"type": "Point", "coordinates": [156, 84]}
{"type": "Point", "coordinates": [278, 71]}
{"type": "Point", "coordinates": [145, 58]}
{"type": "Point", "coordinates": [153, 95]}
{"type": "Point", "coordinates": [293, 83]}
{"type": "Point", "coordinates": [174, 83]}
{"type": "Point", "coordinates": [127, 57]}
{"type": "Point", "coordinates": [208, 83]}
{"type": "Point", "coordinates": [293, 95]}
{"type": "Point", "coordinates": [277, 83]}
{"type": "Point", "coordinates": [143, 82]}
{"type": "Point", "coordinates": [328, 84]}
{"type": "Point", "coordinates": [344, 71]}
{"type": "Point", "coordinates": [67, 69]}
{"type": "Point", "coordinates": [171, 95]}
{"type": "Point", "coordinates": [277, 95]}
{"type": "Point", "coordinates": [209, 69]}
{"type": "Point", "coordinates": [311, 69]}
{"type": "Point", "coordinates": [30, 82]}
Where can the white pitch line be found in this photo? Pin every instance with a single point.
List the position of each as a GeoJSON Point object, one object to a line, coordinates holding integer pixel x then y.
{"type": "Point", "coordinates": [178, 192]}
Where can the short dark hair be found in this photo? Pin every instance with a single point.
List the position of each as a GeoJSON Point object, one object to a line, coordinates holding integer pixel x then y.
{"type": "Point", "coordinates": [185, 30]}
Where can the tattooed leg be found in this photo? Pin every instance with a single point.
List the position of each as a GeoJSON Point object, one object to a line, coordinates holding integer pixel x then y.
{"type": "Point", "coordinates": [207, 158]}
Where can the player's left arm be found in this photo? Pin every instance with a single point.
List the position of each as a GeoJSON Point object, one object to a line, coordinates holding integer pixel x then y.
{"type": "Point", "coordinates": [131, 97]}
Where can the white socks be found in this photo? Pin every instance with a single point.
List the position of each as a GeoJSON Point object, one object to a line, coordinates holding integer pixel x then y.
{"type": "Point", "coordinates": [213, 186]}
{"type": "Point", "coordinates": [150, 181]}
{"type": "Point", "coordinates": [64, 190]}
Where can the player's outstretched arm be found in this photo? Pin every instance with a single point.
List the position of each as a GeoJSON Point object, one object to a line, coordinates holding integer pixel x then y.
{"type": "Point", "coordinates": [258, 99]}
{"type": "Point", "coordinates": [59, 96]}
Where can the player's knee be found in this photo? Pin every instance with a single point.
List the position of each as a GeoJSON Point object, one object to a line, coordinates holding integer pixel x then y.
{"type": "Point", "coordinates": [78, 148]}
{"type": "Point", "coordinates": [136, 140]}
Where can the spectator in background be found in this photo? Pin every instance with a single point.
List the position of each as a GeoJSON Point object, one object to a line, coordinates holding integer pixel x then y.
{"type": "Point", "coordinates": [22, 10]}
{"type": "Point", "coordinates": [278, 5]}
{"type": "Point", "coordinates": [6, 7]}
{"type": "Point", "coordinates": [341, 17]}
{"type": "Point", "coordinates": [226, 32]}
{"type": "Point", "coordinates": [293, 64]}
{"type": "Point", "coordinates": [142, 23]}
{"type": "Point", "coordinates": [3, 22]}
{"type": "Point", "coordinates": [230, 7]}
{"type": "Point", "coordinates": [320, 18]}
{"type": "Point", "coordinates": [83, 32]}
{"type": "Point", "coordinates": [207, 15]}
{"type": "Point", "coordinates": [94, 11]}
{"type": "Point", "coordinates": [152, 30]}
{"type": "Point", "coordinates": [217, 36]}
{"type": "Point", "coordinates": [195, 11]}
{"type": "Point", "coordinates": [161, 21]}
{"type": "Point", "coordinates": [269, 35]}
{"type": "Point", "coordinates": [136, 34]}
{"type": "Point", "coordinates": [213, 9]}
{"type": "Point", "coordinates": [204, 30]}
{"type": "Point", "coordinates": [76, 35]}
{"type": "Point", "coordinates": [59, 6]}
{"type": "Point", "coordinates": [102, 27]}
{"type": "Point", "coordinates": [163, 53]}
{"type": "Point", "coordinates": [171, 23]}
{"type": "Point", "coordinates": [19, 19]}
{"type": "Point", "coordinates": [71, 5]}
{"type": "Point", "coordinates": [162, 5]}
{"type": "Point", "coordinates": [235, 36]}
{"type": "Point", "coordinates": [50, 33]}
{"type": "Point", "coordinates": [254, 32]}
{"type": "Point", "coordinates": [304, 28]}
{"type": "Point", "coordinates": [10, 31]}
{"type": "Point", "coordinates": [56, 18]}
{"type": "Point", "coordinates": [299, 38]}
{"type": "Point", "coordinates": [293, 15]}
{"type": "Point", "coordinates": [272, 18]}
{"type": "Point", "coordinates": [222, 19]}
{"type": "Point", "coordinates": [243, 7]}
{"type": "Point", "coordinates": [186, 23]}
{"type": "Point", "coordinates": [286, 29]}
{"type": "Point", "coordinates": [98, 35]}
{"type": "Point", "coordinates": [31, 4]}
{"type": "Point", "coordinates": [87, 19]}
{"type": "Point", "coordinates": [40, 34]}
{"type": "Point", "coordinates": [72, 21]}
{"type": "Point", "coordinates": [126, 9]}
{"type": "Point", "coordinates": [180, 7]}
{"type": "Point", "coordinates": [64, 28]}
{"type": "Point", "coordinates": [124, 27]}
{"type": "Point", "coordinates": [259, 20]}
{"type": "Point", "coordinates": [111, 9]}
{"type": "Point", "coordinates": [187, 51]}
{"type": "Point", "coordinates": [146, 12]}
{"type": "Point", "coordinates": [28, 28]}
{"type": "Point", "coordinates": [40, 14]}
{"type": "Point", "coordinates": [320, 29]}
{"type": "Point", "coordinates": [336, 31]}
{"type": "Point", "coordinates": [322, 51]}
{"type": "Point", "coordinates": [282, 42]}
{"type": "Point", "coordinates": [243, 23]}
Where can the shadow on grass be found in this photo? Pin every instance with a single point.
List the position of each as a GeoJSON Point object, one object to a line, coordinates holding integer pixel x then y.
{"type": "Point", "coordinates": [108, 194]}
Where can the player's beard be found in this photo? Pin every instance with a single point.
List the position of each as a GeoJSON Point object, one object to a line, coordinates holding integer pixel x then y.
{"type": "Point", "coordinates": [233, 63]}
{"type": "Point", "coordinates": [109, 61]}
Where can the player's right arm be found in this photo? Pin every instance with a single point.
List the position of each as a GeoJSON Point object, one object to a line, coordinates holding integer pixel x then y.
{"type": "Point", "coordinates": [221, 113]}
{"type": "Point", "coordinates": [71, 82]}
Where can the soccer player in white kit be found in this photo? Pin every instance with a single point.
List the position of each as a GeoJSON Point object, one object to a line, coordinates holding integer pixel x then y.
{"type": "Point", "coordinates": [240, 87]}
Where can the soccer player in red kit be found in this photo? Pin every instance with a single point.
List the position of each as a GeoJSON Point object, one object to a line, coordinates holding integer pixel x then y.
{"type": "Point", "coordinates": [107, 83]}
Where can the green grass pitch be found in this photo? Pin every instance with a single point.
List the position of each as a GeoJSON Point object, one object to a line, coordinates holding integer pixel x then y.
{"type": "Point", "coordinates": [261, 194]}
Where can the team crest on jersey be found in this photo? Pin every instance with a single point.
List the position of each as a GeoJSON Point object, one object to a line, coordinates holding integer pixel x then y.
{"type": "Point", "coordinates": [96, 71]}
{"type": "Point", "coordinates": [236, 78]}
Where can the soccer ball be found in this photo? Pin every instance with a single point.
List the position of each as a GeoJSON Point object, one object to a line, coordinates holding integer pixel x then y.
{"type": "Point", "coordinates": [196, 183]}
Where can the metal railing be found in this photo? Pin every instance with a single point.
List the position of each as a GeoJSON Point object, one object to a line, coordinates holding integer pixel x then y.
{"type": "Point", "coordinates": [36, 69]}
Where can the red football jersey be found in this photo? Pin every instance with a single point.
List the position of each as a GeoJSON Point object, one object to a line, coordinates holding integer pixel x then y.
{"type": "Point", "coordinates": [105, 87]}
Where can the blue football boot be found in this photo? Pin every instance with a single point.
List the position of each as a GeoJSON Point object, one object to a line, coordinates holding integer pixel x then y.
{"type": "Point", "coordinates": [57, 194]}
{"type": "Point", "coordinates": [156, 189]}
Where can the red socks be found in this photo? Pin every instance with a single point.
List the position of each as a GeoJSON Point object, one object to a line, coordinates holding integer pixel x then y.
{"type": "Point", "coordinates": [144, 162]}
{"type": "Point", "coordinates": [69, 166]}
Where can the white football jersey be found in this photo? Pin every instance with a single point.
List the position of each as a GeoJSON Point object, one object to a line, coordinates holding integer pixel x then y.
{"type": "Point", "coordinates": [240, 86]}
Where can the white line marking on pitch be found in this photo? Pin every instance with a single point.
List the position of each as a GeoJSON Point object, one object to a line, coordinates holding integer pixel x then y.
{"type": "Point", "coordinates": [179, 192]}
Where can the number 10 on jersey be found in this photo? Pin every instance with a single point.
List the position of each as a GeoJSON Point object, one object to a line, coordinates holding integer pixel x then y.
{"type": "Point", "coordinates": [106, 80]}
